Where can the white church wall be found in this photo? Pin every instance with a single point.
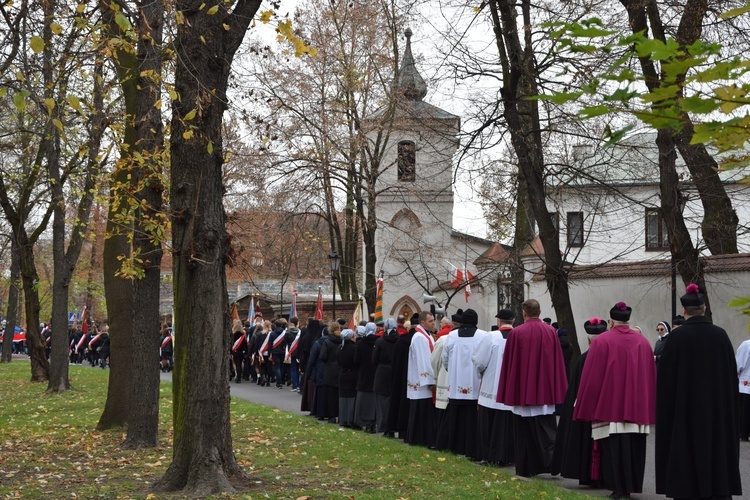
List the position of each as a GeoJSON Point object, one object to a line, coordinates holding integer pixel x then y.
{"type": "Point", "coordinates": [651, 300]}
{"type": "Point", "coordinates": [615, 222]}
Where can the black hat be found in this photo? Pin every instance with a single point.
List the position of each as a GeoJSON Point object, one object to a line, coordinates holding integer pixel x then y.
{"type": "Point", "coordinates": [458, 317]}
{"type": "Point", "coordinates": [621, 312]}
{"type": "Point", "coordinates": [562, 332]}
{"type": "Point", "coordinates": [414, 319]}
{"type": "Point", "coordinates": [547, 320]}
{"type": "Point", "coordinates": [693, 296]}
{"type": "Point", "coordinates": [505, 314]}
{"type": "Point", "coordinates": [678, 320]}
{"type": "Point", "coordinates": [470, 317]}
{"type": "Point", "coordinates": [595, 326]}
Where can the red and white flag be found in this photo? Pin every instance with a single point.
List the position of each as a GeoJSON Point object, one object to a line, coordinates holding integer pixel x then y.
{"type": "Point", "coordinates": [457, 277]}
{"type": "Point", "coordinates": [467, 288]}
{"type": "Point", "coordinates": [319, 305]}
{"type": "Point", "coordinates": [85, 321]}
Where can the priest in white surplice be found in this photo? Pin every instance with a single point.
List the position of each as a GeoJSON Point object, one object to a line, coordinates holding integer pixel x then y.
{"type": "Point", "coordinates": [420, 384]}
{"type": "Point", "coordinates": [495, 423]}
{"type": "Point", "coordinates": [460, 423]}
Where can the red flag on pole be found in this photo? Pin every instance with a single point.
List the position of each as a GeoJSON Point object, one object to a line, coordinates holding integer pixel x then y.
{"type": "Point", "coordinates": [457, 277]}
{"type": "Point", "coordinates": [85, 321]}
{"type": "Point", "coordinates": [319, 305]}
{"type": "Point", "coordinates": [234, 314]}
{"type": "Point", "coordinates": [467, 288]}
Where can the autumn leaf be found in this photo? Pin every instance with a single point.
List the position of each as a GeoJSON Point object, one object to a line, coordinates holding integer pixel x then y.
{"type": "Point", "coordinates": [37, 44]}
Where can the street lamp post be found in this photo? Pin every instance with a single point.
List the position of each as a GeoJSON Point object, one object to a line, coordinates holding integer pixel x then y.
{"type": "Point", "coordinates": [334, 260]}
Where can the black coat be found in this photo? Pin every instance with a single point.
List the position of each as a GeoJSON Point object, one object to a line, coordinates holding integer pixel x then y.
{"type": "Point", "coordinates": [309, 336]}
{"type": "Point", "coordinates": [398, 410]}
{"type": "Point", "coordinates": [329, 354]}
{"type": "Point", "coordinates": [104, 343]}
{"type": "Point", "coordinates": [348, 370]}
{"type": "Point", "coordinates": [242, 348]}
{"type": "Point", "coordinates": [572, 453]}
{"type": "Point", "coordinates": [315, 367]}
{"type": "Point", "coordinates": [363, 358]}
{"type": "Point", "coordinates": [279, 350]}
{"type": "Point", "coordinates": [382, 358]}
{"type": "Point", "coordinates": [697, 445]}
{"type": "Point", "coordinates": [659, 346]}
{"type": "Point", "coordinates": [567, 351]}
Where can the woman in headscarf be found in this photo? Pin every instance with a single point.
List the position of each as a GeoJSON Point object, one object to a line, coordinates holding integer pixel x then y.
{"type": "Point", "coordinates": [348, 371]}
{"type": "Point", "coordinates": [329, 354]}
{"type": "Point", "coordinates": [308, 337]}
{"type": "Point", "coordinates": [382, 357]}
{"type": "Point", "coordinates": [365, 412]}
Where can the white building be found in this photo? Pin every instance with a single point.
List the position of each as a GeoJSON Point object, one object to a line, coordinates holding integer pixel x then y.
{"type": "Point", "coordinates": [613, 236]}
{"type": "Point", "coordinates": [415, 243]}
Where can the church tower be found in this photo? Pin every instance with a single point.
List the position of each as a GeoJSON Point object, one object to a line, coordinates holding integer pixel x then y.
{"type": "Point", "coordinates": [415, 190]}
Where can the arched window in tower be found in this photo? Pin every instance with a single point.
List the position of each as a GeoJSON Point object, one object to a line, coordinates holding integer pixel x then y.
{"type": "Point", "coordinates": [407, 161]}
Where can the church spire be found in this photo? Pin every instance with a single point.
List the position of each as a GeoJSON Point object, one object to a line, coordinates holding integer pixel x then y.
{"type": "Point", "coordinates": [410, 82]}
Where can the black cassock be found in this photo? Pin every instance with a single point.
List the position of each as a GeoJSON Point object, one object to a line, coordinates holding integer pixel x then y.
{"type": "Point", "coordinates": [697, 445]}
{"type": "Point", "coordinates": [398, 411]}
{"type": "Point", "coordinates": [573, 444]}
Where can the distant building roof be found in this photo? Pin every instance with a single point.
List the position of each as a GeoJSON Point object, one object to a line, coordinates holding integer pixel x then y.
{"type": "Point", "coordinates": [713, 263]}
{"type": "Point", "coordinates": [634, 161]}
{"type": "Point", "coordinates": [495, 254]}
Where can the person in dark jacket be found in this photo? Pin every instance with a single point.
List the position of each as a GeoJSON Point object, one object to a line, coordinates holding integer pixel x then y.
{"type": "Point", "coordinates": [104, 349]}
{"type": "Point", "coordinates": [308, 339]}
{"type": "Point", "coordinates": [348, 371]}
{"type": "Point", "coordinates": [239, 348]}
{"type": "Point", "coordinates": [398, 411]}
{"type": "Point", "coordinates": [292, 342]}
{"type": "Point", "coordinates": [315, 370]}
{"type": "Point", "coordinates": [365, 409]}
{"type": "Point", "coordinates": [329, 354]}
{"type": "Point", "coordinates": [662, 330]}
{"type": "Point", "coordinates": [697, 450]}
{"type": "Point", "coordinates": [382, 359]}
{"type": "Point", "coordinates": [276, 345]}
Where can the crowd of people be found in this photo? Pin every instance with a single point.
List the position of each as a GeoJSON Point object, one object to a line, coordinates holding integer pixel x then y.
{"type": "Point", "coordinates": [91, 345]}
{"type": "Point", "coordinates": [84, 345]}
{"type": "Point", "coordinates": [507, 396]}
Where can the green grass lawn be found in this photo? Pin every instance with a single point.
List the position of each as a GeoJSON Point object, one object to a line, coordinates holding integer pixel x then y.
{"type": "Point", "coordinates": [49, 448]}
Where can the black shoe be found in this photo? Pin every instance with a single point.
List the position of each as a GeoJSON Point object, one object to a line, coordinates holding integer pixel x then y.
{"type": "Point", "coordinates": [238, 380]}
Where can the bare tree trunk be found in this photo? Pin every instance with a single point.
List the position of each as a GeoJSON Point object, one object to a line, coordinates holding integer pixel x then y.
{"type": "Point", "coordinates": [203, 462]}
{"type": "Point", "coordinates": [720, 222]}
{"type": "Point", "coordinates": [34, 342]}
{"type": "Point", "coordinates": [14, 292]}
{"type": "Point", "coordinates": [143, 415]}
{"type": "Point", "coordinates": [522, 117]}
{"type": "Point", "coordinates": [118, 290]}
{"type": "Point", "coordinates": [684, 253]}
{"type": "Point", "coordinates": [65, 260]}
